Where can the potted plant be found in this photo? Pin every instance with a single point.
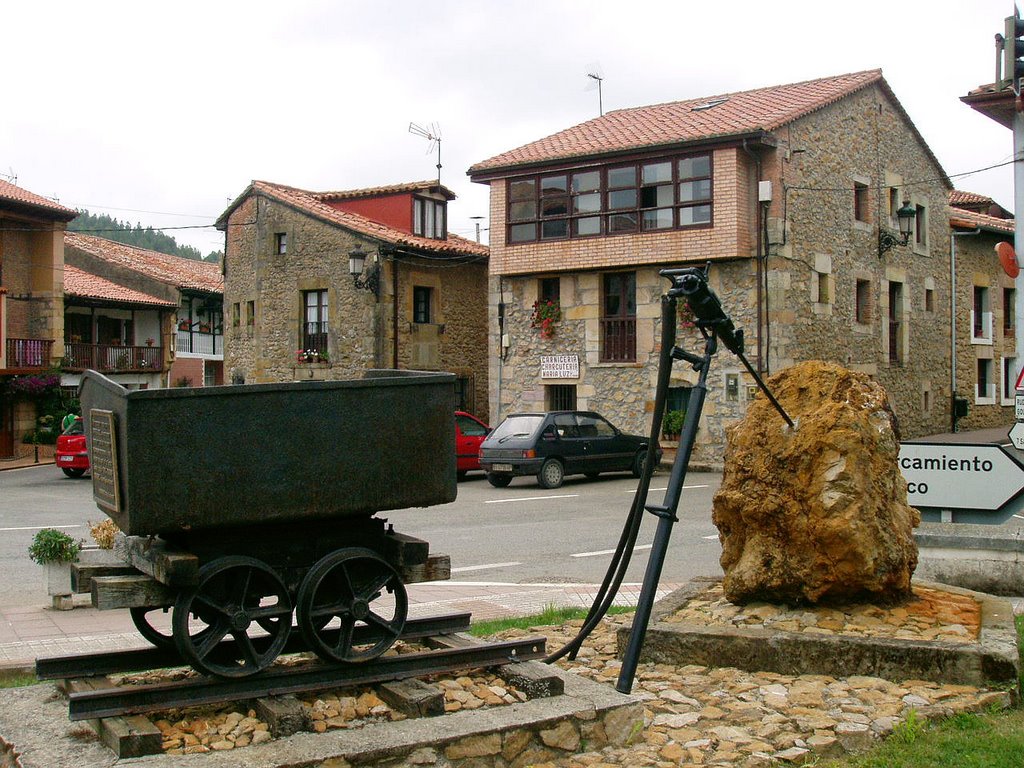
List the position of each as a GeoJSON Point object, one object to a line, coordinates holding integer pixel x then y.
{"type": "Point", "coordinates": [184, 325]}
{"type": "Point", "coordinates": [545, 314]}
{"type": "Point", "coordinates": [204, 327]}
{"type": "Point", "coordinates": [55, 551]}
{"type": "Point", "coordinates": [672, 424]}
{"type": "Point", "coordinates": [150, 342]}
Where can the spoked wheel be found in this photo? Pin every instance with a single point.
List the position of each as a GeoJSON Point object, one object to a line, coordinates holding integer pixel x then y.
{"type": "Point", "coordinates": [141, 617]}
{"type": "Point", "coordinates": [364, 592]}
{"type": "Point", "coordinates": [234, 595]}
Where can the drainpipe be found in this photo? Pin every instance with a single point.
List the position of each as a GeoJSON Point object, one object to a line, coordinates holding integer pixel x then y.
{"type": "Point", "coordinates": [394, 313]}
{"type": "Point", "coordinates": [952, 319]}
{"type": "Point", "coordinates": [759, 252]}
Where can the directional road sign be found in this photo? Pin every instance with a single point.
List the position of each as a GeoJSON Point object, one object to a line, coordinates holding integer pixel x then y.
{"type": "Point", "coordinates": [959, 476]}
{"type": "Point", "coordinates": [1017, 435]}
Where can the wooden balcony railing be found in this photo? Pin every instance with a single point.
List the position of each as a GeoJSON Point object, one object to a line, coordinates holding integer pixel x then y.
{"type": "Point", "coordinates": [618, 340]}
{"type": "Point", "coordinates": [29, 353]}
{"type": "Point", "coordinates": [112, 358]}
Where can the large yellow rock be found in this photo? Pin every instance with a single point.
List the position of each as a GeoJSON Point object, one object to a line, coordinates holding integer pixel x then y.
{"type": "Point", "coordinates": [816, 513]}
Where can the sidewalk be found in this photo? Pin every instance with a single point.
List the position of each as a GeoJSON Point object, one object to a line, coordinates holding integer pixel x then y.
{"type": "Point", "coordinates": [29, 633]}
{"type": "Point", "coordinates": [27, 457]}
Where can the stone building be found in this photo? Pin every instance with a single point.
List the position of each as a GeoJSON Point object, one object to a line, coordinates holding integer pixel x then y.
{"type": "Point", "coordinates": [790, 193]}
{"type": "Point", "coordinates": [325, 285]}
{"type": "Point", "coordinates": [144, 318]}
{"type": "Point", "coordinates": [985, 367]}
{"type": "Point", "coordinates": [31, 306]}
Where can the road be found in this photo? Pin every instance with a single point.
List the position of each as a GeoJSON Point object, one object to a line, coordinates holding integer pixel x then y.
{"type": "Point", "coordinates": [518, 534]}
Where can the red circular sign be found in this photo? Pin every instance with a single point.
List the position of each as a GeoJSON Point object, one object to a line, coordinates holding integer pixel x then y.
{"type": "Point", "coordinates": [1008, 258]}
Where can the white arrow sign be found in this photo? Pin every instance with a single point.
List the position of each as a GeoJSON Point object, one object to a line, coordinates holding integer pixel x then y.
{"type": "Point", "coordinates": [1017, 435]}
{"type": "Point", "coordinates": [958, 476]}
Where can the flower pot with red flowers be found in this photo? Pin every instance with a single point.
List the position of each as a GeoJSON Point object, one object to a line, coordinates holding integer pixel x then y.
{"type": "Point", "coordinates": [546, 313]}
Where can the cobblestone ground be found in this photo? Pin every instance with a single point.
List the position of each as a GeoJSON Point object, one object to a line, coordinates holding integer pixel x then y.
{"type": "Point", "coordinates": [700, 716]}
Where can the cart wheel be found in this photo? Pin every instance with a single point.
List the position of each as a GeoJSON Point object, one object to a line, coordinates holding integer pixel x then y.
{"type": "Point", "coordinates": [165, 642]}
{"type": "Point", "coordinates": [234, 594]}
{"type": "Point", "coordinates": [362, 590]}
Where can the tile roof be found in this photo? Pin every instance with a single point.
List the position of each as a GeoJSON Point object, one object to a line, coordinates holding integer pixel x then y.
{"type": "Point", "coordinates": [79, 283]}
{"type": "Point", "coordinates": [961, 217]}
{"type": "Point", "coordinates": [390, 189]}
{"type": "Point", "coordinates": [9, 193]}
{"type": "Point", "coordinates": [310, 204]}
{"type": "Point", "coordinates": [957, 197]}
{"type": "Point", "coordinates": [709, 117]}
{"type": "Point", "coordinates": [173, 270]}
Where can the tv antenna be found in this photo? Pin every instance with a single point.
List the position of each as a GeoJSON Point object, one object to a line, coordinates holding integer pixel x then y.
{"type": "Point", "coordinates": [596, 77]}
{"type": "Point", "coordinates": [11, 177]}
{"type": "Point", "coordinates": [431, 133]}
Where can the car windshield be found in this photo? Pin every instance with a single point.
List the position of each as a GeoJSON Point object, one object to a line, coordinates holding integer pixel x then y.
{"type": "Point", "coordinates": [75, 428]}
{"type": "Point", "coordinates": [517, 426]}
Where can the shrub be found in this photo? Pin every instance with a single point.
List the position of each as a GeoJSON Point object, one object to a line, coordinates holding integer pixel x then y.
{"type": "Point", "coordinates": [52, 546]}
{"type": "Point", "coordinates": [672, 424]}
{"type": "Point", "coordinates": [104, 532]}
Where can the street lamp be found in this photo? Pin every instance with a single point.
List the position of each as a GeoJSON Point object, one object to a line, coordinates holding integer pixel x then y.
{"type": "Point", "coordinates": [905, 216]}
{"type": "Point", "coordinates": [357, 264]}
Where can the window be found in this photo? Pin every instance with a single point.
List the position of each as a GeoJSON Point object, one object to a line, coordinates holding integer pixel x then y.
{"type": "Point", "coordinates": [895, 323]}
{"type": "Point", "coordinates": [1009, 380]}
{"type": "Point", "coordinates": [1009, 311]}
{"type": "Point", "coordinates": [823, 295]}
{"type": "Point", "coordinates": [560, 397]}
{"type": "Point", "coordinates": [464, 401]}
{"type": "Point", "coordinates": [860, 201]}
{"type": "Point", "coordinates": [428, 218]}
{"type": "Point", "coordinates": [250, 313]}
{"type": "Point", "coordinates": [236, 315]}
{"type": "Point", "coordinates": [986, 390]}
{"type": "Point", "coordinates": [421, 300]}
{"type": "Point", "coordinates": [669, 193]}
{"type": "Point", "coordinates": [280, 242]}
{"type": "Point", "coordinates": [862, 310]}
{"type": "Point", "coordinates": [314, 326]}
{"type": "Point", "coordinates": [549, 289]}
{"type": "Point", "coordinates": [981, 317]}
{"type": "Point", "coordinates": [926, 401]}
{"type": "Point", "coordinates": [920, 226]}
{"type": "Point", "coordinates": [929, 300]}
{"type": "Point", "coordinates": [618, 317]}
{"type": "Point", "coordinates": [894, 205]}
{"type": "Point", "coordinates": [732, 387]}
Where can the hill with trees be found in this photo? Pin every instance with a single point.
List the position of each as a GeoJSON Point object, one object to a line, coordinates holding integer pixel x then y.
{"type": "Point", "coordinates": [102, 225]}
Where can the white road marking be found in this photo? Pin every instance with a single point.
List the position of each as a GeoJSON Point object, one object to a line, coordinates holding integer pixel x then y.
{"type": "Point", "coordinates": [607, 551]}
{"type": "Point", "coordinates": [39, 527]}
{"type": "Point", "coordinates": [483, 567]}
{"type": "Point", "coordinates": [1019, 517]}
{"type": "Point", "coordinates": [685, 487]}
{"type": "Point", "coordinates": [710, 537]}
{"type": "Point", "coordinates": [532, 498]}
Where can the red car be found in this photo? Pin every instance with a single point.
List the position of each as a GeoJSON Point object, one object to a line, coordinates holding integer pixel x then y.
{"type": "Point", "coordinates": [71, 455]}
{"type": "Point", "coordinates": [469, 433]}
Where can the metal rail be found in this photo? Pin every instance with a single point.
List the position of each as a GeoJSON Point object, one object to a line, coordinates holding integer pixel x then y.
{"type": "Point", "coordinates": [89, 664]}
{"type": "Point", "coordinates": [124, 700]}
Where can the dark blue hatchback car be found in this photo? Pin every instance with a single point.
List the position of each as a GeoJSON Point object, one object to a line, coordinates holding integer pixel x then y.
{"type": "Point", "coordinates": [554, 444]}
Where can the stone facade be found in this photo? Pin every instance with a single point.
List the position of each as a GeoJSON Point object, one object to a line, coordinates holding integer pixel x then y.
{"type": "Point", "coordinates": [264, 309]}
{"type": "Point", "coordinates": [798, 302]}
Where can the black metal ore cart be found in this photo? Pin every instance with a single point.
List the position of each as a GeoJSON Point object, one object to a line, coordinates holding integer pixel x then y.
{"type": "Point", "coordinates": [243, 505]}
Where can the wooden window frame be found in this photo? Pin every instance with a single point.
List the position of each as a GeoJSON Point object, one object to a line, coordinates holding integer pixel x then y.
{"type": "Point", "coordinates": [422, 304]}
{"type": "Point", "coordinates": [280, 243]}
{"type": "Point", "coordinates": [315, 333]}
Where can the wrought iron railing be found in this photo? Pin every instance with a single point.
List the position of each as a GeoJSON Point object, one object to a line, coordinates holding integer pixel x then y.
{"type": "Point", "coordinates": [618, 340]}
{"type": "Point", "coordinates": [197, 343]}
{"type": "Point", "coordinates": [29, 353]}
{"type": "Point", "coordinates": [115, 358]}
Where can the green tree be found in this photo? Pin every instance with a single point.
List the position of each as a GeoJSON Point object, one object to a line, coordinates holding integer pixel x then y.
{"type": "Point", "coordinates": [151, 239]}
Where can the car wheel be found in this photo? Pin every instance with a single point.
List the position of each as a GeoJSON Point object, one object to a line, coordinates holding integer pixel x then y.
{"type": "Point", "coordinates": [498, 481]}
{"type": "Point", "coordinates": [72, 471]}
{"type": "Point", "coordinates": [638, 463]}
{"type": "Point", "coordinates": [551, 474]}
{"type": "Point", "coordinates": [593, 475]}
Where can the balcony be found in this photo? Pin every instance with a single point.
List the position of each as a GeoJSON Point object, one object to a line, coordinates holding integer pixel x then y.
{"type": "Point", "coordinates": [112, 358]}
{"type": "Point", "coordinates": [198, 343]}
{"type": "Point", "coordinates": [28, 354]}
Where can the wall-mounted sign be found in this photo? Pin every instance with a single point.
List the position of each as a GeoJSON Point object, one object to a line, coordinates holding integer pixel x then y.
{"type": "Point", "coordinates": [560, 366]}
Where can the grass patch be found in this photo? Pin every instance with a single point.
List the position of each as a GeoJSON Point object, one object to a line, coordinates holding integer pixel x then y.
{"type": "Point", "coordinates": [16, 678]}
{"type": "Point", "coordinates": [550, 615]}
{"type": "Point", "coordinates": [964, 741]}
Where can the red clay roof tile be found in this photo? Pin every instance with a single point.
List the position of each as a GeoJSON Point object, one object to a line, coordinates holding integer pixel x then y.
{"type": "Point", "coordinates": [389, 189]}
{"type": "Point", "coordinates": [174, 270]}
{"type": "Point", "coordinates": [961, 217]}
{"type": "Point", "coordinates": [82, 284]}
{"type": "Point", "coordinates": [14, 194]}
{"type": "Point", "coordinates": [731, 114]}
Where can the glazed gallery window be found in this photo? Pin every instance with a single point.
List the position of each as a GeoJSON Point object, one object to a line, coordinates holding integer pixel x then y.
{"type": "Point", "coordinates": [673, 193]}
{"type": "Point", "coordinates": [428, 218]}
{"type": "Point", "coordinates": [314, 327]}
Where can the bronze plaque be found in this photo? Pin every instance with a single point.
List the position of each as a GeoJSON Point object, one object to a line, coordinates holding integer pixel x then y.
{"type": "Point", "coordinates": [103, 461]}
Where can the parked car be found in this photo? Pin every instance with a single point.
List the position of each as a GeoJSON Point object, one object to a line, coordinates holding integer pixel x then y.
{"type": "Point", "coordinates": [71, 455]}
{"type": "Point", "coordinates": [469, 433]}
{"type": "Point", "coordinates": [558, 443]}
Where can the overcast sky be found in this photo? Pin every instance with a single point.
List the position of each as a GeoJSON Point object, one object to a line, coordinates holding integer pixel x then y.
{"type": "Point", "coordinates": [161, 113]}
